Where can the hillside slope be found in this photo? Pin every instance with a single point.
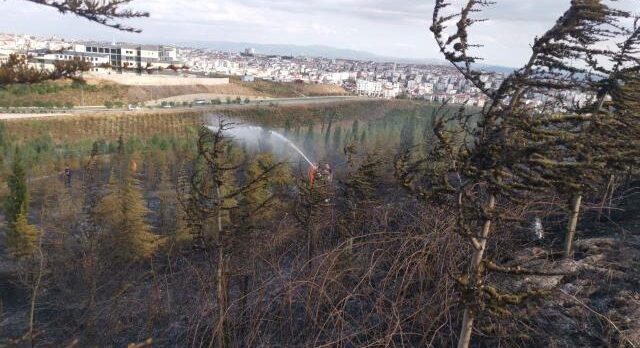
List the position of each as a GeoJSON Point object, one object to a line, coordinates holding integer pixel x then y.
{"type": "Point", "coordinates": [97, 92]}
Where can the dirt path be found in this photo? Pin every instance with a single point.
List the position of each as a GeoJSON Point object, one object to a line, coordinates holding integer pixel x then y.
{"type": "Point", "coordinates": [100, 110]}
{"type": "Point", "coordinates": [203, 96]}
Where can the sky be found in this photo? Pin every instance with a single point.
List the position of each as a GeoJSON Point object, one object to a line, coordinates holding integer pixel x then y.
{"type": "Point", "coordinates": [394, 28]}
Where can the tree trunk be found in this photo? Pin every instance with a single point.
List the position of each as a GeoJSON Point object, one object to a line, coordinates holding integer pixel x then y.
{"type": "Point", "coordinates": [34, 295]}
{"type": "Point", "coordinates": [310, 243]}
{"type": "Point", "coordinates": [611, 192]}
{"type": "Point", "coordinates": [244, 308]}
{"type": "Point", "coordinates": [576, 201]}
{"type": "Point", "coordinates": [222, 281]}
{"type": "Point", "coordinates": [604, 198]}
{"type": "Point", "coordinates": [474, 277]}
{"type": "Point", "coordinates": [223, 296]}
{"type": "Point", "coordinates": [91, 303]}
{"type": "Point", "coordinates": [350, 246]}
{"type": "Point", "coordinates": [327, 135]}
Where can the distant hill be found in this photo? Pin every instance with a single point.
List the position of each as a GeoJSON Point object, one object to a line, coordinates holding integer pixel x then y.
{"type": "Point", "coordinates": [310, 51]}
{"type": "Point", "coordinates": [322, 51]}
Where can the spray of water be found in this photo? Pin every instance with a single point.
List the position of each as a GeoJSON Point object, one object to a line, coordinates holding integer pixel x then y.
{"type": "Point", "coordinates": [292, 145]}
{"type": "Point", "coordinates": [251, 134]}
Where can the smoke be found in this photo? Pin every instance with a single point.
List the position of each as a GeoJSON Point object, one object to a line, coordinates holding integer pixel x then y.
{"type": "Point", "coordinates": [263, 139]}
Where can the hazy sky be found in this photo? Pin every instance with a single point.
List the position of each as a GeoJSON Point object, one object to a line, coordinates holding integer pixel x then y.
{"type": "Point", "coordinates": [397, 28]}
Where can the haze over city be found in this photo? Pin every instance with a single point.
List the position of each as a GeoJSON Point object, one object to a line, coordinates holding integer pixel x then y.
{"type": "Point", "coordinates": [384, 27]}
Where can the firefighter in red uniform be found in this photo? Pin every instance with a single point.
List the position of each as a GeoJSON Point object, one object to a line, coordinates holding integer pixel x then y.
{"type": "Point", "coordinates": [313, 171]}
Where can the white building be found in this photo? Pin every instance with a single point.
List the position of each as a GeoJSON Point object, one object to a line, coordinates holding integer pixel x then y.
{"type": "Point", "coordinates": [369, 88]}
{"type": "Point", "coordinates": [132, 56]}
{"type": "Point", "coordinates": [390, 90]}
{"type": "Point", "coordinates": [46, 60]}
{"type": "Point", "coordinates": [167, 54]}
{"type": "Point", "coordinates": [338, 77]}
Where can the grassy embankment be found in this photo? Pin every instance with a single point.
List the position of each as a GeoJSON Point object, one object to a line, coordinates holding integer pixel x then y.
{"type": "Point", "coordinates": [95, 92]}
{"type": "Point", "coordinates": [73, 129]}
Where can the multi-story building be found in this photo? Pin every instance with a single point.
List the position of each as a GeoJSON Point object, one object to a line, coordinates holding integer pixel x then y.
{"type": "Point", "coordinates": [369, 88]}
{"type": "Point", "coordinates": [46, 60]}
{"type": "Point", "coordinates": [131, 56]}
{"type": "Point", "coordinates": [390, 90]}
{"type": "Point", "coordinates": [167, 54]}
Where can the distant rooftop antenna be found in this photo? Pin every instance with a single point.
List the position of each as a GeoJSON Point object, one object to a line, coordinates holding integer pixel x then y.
{"type": "Point", "coordinates": [113, 41]}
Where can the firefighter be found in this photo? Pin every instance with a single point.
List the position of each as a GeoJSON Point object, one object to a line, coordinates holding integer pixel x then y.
{"type": "Point", "coordinates": [67, 176]}
{"type": "Point", "coordinates": [313, 172]}
{"type": "Point", "coordinates": [327, 173]}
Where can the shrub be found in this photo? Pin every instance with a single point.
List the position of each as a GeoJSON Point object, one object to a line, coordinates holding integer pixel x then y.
{"type": "Point", "coordinates": [108, 104]}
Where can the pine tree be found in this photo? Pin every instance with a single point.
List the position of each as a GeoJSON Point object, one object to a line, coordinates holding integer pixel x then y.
{"type": "Point", "coordinates": [121, 146]}
{"type": "Point", "coordinates": [213, 194]}
{"type": "Point", "coordinates": [309, 145]}
{"type": "Point", "coordinates": [358, 192]}
{"type": "Point", "coordinates": [18, 201]}
{"type": "Point", "coordinates": [355, 130]}
{"type": "Point", "coordinates": [123, 211]}
{"type": "Point", "coordinates": [135, 240]}
{"type": "Point", "coordinates": [337, 139]}
{"type": "Point", "coordinates": [518, 148]}
{"type": "Point", "coordinates": [166, 193]}
{"type": "Point", "coordinates": [407, 134]}
{"type": "Point", "coordinates": [257, 205]}
{"type": "Point", "coordinates": [21, 237]}
{"type": "Point", "coordinates": [287, 126]}
{"type": "Point", "coordinates": [334, 116]}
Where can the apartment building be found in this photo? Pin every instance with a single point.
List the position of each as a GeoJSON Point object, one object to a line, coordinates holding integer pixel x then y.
{"type": "Point", "coordinates": [369, 88]}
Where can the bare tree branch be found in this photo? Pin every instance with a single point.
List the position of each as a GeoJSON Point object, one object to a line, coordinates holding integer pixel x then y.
{"type": "Point", "coordinates": [104, 12]}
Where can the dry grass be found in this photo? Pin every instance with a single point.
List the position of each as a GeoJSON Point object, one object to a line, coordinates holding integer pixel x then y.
{"type": "Point", "coordinates": [98, 92]}
{"type": "Point", "coordinates": [146, 123]}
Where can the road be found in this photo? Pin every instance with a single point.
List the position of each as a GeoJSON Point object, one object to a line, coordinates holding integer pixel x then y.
{"type": "Point", "coordinates": [89, 110]}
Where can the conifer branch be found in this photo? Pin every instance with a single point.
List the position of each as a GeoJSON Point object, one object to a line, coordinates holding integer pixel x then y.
{"type": "Point", "coordinates": [103, 12]}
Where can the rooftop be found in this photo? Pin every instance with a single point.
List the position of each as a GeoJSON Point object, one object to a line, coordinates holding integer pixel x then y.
{"type": "Point", "coordinates": [124, 45]}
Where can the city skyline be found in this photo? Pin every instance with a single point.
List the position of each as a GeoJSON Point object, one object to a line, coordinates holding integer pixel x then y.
{"type": "Point", "coordinates": [381, 27]}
